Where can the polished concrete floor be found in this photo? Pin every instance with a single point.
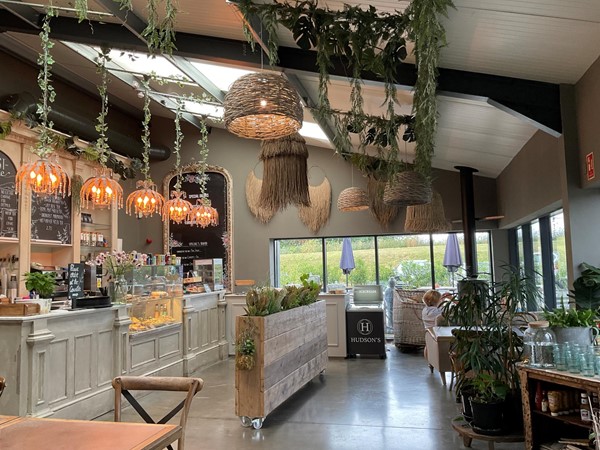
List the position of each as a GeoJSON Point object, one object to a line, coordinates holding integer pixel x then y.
{"type": "Point", "coordinates": [359, 403]}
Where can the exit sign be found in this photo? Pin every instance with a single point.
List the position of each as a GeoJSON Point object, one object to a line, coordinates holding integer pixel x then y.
{"type": "Point", "coordinates": [589, 166]}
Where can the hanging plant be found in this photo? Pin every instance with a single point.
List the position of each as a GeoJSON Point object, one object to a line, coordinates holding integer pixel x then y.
{"type": "Point", "coordinates": [367, 40]}
{"type": "Point", "coordinates": [145, 200]}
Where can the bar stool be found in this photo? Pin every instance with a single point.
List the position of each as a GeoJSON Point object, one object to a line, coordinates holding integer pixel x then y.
{"type": "Point", "coordinates": [123, 385]}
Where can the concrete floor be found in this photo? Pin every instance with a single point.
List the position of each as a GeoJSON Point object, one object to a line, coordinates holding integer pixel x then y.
{"type": "Point", "coordinates": [365, 402]}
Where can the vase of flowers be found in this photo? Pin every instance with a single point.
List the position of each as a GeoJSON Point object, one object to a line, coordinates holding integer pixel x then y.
{"type": "Point", "coordinates": [117, 264]}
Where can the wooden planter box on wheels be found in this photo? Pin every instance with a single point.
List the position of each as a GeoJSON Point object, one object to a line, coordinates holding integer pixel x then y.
{"type": "Point", "coordinates": [291, 349]}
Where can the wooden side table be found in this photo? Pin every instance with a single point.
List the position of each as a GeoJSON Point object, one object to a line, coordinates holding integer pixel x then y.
{"type": "Point", "coordinates": [468, 434]}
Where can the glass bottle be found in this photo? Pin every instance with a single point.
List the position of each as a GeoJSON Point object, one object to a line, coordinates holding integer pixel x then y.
{"type": "Point", "coordinates": [542, 340]}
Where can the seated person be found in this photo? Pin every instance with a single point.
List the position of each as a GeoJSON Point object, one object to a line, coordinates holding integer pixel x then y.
{"type": "Point", "coordinates": [432, 313]}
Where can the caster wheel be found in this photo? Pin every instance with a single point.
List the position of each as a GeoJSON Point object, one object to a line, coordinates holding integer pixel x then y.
{"type": "Point", "coordinates": [246, 421]}
{"type": "Point", "coordinates": [257, 423]}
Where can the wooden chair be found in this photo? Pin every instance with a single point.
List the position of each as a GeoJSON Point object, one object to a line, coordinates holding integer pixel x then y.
{"type": "Point", "coordinates": [123, 385]}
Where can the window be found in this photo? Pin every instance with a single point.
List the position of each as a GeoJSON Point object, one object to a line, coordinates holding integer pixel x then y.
{"type": "Point", "coordinates": [363, 250]}
{"type": "Point", "coordinates": [296, 257]}
{"type": "Point", "coordinates": [537, 256]}
{"type": "Point", "coordinates": [407, 257]}
{"type": "Point", "coordinates": [559, 257]}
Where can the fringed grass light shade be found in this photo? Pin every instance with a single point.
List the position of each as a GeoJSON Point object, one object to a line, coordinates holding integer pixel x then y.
{"type": "Point", "coordinates": [407, 188]}
{"type": "Point", "coordinates": [317, 214]}
{"type": "Point", "coordinates": [178, 208]}
{"type": "Point", "coordinates": [204, 215]}
{"type": "Point", "coordinates": [353, 199]}
{"type": "Point", "coordinates": [253, 188]}
{"type": "Point", "coordinates": [383, 212]}
{"type": "Point", "coordinates": [427, 218]}
{"type": "Point", "coordinates": [145, 200]}
{"type": "Point", "coordinates": [262, 106]}
{"type": "Point", "coordinates": [43, 177]}
{"type": "Point", "coordinates": [101, 191]}
{"type": "Point", "coordinates": [285, 178]}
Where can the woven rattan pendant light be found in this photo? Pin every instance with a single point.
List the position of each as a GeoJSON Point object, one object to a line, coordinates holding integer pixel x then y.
{"type": "Point", "coordinates": [407, 188]}
{"type": "Point", "coordinates": [285, 178]}
{"type": "Point", "coordinates": [262, 106]}
{"type": "Point", "coordinates": [427, 218]}
{"type": "Point", "coordinates": [353, 198]}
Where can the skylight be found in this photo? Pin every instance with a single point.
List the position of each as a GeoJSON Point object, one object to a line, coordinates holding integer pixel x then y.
{"type": "Point", "coordinates": [204, 109]}
{"type": "Point", "coordinates": [146, 64]}
{"type": "Point", "coordinates": [312, 130]}
{"type": "Point", "coordinates": [221, 76]}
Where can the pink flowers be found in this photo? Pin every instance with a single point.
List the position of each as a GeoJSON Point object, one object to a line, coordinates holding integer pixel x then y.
{"type": "Point", "coordinates": [118, 262]}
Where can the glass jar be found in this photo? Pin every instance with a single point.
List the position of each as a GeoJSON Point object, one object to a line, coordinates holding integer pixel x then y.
{"type": "Point", "coordinates": [540, 340]}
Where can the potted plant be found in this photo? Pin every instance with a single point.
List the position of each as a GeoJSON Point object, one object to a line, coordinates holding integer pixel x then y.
{"type": "Point", "coordinates": [576, 324]}
{"type": "Point", "coordinates": [487, 343]}
{"type": "Point", "coordinates": [489, 404]}
{"type": "Point", "coordinates": [40, 284]}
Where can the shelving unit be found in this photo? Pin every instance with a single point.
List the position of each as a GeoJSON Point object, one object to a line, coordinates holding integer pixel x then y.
{"type": "Point", "coordinates": [541, 427]}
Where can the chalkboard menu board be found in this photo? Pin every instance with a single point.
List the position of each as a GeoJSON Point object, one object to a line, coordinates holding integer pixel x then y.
{"type": "Point", "coordinates": [9, 203]}
{"type": "Point", "coordinates": [192, 242]}
{"type": "Point", "coordinates": [51, 218]}
{"type": "Point", "coordinates": [75, 285]}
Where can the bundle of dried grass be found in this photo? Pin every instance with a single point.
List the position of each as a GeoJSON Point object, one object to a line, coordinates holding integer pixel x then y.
{"type": "Point", "coordinates": [285, 179]}
{"type": "Point", "coordinates": [427, 218]}
{"type": "Point", "coordinates": [253, 187]}
{"type": "Point", "coordinates": [383, 212]}
{"type": "Point", "coordinates": [317, 214]}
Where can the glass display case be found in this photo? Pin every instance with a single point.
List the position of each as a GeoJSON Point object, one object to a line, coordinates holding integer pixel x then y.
{"type": "Point", "coordinates": [210, 271]}
{"type": "Point", "coordinates": [156, 297]}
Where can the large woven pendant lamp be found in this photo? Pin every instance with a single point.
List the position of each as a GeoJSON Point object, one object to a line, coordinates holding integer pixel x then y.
{"type": "Point", "coordinates": [262, 106]}
{"type": "Point", "coordinates": [427, 218]}
{"type": "Point", "coordinates": [407, 188]}
{"type": "Point", "coordinates": [353, 198]}
{"type": "Point", "coordinates": [285, 178]}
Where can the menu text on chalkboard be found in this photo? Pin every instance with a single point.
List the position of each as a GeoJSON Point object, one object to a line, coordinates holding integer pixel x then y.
{"type": "Point", "coordinates": [9, 203]}
{"type": "Point", "coordinates": [75, 280]}
{"type": "Point", "coordinates": [51, 218]}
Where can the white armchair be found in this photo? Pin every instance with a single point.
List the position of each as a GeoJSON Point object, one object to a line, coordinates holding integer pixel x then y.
{"type": "Point", "coordinates": [437, 348]}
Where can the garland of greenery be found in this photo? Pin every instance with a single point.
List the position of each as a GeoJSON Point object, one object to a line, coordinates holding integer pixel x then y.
{"type": "Point", "coordinates": [101, 125]}
{"type": "Point", "coordinates": [203, 157]}
{"type": "Point", "coordinates": [44, 148]}
{"type": "Point", "coordinates": [146, 130]}
{"type": "Point", "coordinates": [367, 40]}
{"type": "Point", "coordinates": [177, 147]}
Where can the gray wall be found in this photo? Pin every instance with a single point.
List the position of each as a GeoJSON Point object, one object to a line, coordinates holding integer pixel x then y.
{"type": "Point", "coordinates": [251, 238]}
{"type": "Point", "coordinates": [587, 98]}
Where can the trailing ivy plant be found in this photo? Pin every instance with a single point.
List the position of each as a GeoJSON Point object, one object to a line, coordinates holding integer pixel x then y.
{"type": "Point", "coordinates": [101, 144]}
{"type": "Point", "coordinates": [365, 40]}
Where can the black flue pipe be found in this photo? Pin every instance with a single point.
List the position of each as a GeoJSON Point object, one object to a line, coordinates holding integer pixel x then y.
{"type": "Point", "coordinates": [468, 218]}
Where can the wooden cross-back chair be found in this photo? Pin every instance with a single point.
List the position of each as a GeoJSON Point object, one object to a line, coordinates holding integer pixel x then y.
{"type": "Point", "coordinates": [123, 385]}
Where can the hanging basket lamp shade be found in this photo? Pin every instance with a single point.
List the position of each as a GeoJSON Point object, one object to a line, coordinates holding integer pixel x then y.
{"type": "Point", "coordinates": [204, 215]}
{"type": "Point", "coordinates": [262, 106]}
{"type": "Point", "coordinates": [427, 218]}
{"type": "Point", "coordinates": [43, 177]}
{"type": "Point", "coordinates": [285, 178]}
{"type": "Point", "coordinates": [408, 188]}
{"type": "Point", "coordinates": [145, 200]}
{"type": "Point", "coordinates": [177, 208]}
{"type": "Point", "coordinates": [353, 199]}
{"type": "Point", "coordinates": [101, 191]}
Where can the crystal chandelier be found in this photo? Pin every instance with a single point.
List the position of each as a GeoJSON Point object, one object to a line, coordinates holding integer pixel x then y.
{"type": "Point", "coordinates": [101, 191]}
{"type": "Point", "coordinates": [43, 176]}
{"type": "Point", "coordinates": [177, 208]}
{"type": "Point", "coordinates": [203, 214]}
{"type": "Point", "coordinates": [145, 200]}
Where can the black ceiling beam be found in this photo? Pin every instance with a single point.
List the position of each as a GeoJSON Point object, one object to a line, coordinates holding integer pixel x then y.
{"type": "Point", "coordinates": [537, 101]}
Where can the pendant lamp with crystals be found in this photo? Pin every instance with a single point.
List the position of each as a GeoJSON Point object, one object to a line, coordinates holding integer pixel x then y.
{"type": "Point", "coordinates": [145, 201]}
{"type": "Point", "coordinates": [203, 214]}
{"type": "Point", "coordinates": [177, 208]}
{"type": "Point", "coordinates": [43, 176]}
{"type": "Point", "coordinates": [262, 106]}
{"type": "Point", "coordinates": [102, 190]}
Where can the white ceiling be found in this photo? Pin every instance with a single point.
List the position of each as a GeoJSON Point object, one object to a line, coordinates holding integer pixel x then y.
{"type": "Point", "coordinates": [544, 40]}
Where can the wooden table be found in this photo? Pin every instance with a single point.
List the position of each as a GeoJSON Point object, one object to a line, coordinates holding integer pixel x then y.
{"type": "Point", "coordinates": [26, 433]}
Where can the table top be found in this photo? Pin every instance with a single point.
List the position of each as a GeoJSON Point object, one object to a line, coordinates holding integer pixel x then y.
{"type": "Point", "coordinates": [443, 333]}
{"type": "Point", "coordinates": [24, 433]}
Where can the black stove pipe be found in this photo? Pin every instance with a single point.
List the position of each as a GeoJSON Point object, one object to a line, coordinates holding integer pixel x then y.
{"type": "Point", "coordinates": [468, 218]}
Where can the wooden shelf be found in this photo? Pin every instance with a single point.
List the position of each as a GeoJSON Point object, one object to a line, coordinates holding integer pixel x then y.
{"type": "Point", "coordinates": [95, 226]}
{"type": "Point", "coordinates": [571, 419]}
{"type": "Point", "coordinates": [93, 248]}
{"type": "Point", "coordinates": [49, 244]}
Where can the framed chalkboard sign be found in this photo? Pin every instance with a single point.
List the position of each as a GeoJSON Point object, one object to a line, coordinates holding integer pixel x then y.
{"type": "Point", "coordinates": [192, 242]}
{"type": "Point", "coordinates": [75, 286]}
{"type": "Point", "coordinates": [51, 218]}
{"type": "Point", "coordinates": [9, 203]}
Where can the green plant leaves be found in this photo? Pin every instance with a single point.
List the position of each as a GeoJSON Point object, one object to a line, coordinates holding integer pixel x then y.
{"type": "Point", "coordinates": [304, 33]}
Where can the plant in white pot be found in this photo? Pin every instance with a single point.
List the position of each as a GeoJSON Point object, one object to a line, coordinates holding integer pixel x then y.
{"type": "Point", "coordinates": [577, 323]}
{"type": "Point", "coordinates": [41, 286]}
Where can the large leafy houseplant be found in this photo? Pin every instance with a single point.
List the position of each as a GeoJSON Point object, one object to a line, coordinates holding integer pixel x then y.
{"type": "Point", "coordinates": [40, 283]}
